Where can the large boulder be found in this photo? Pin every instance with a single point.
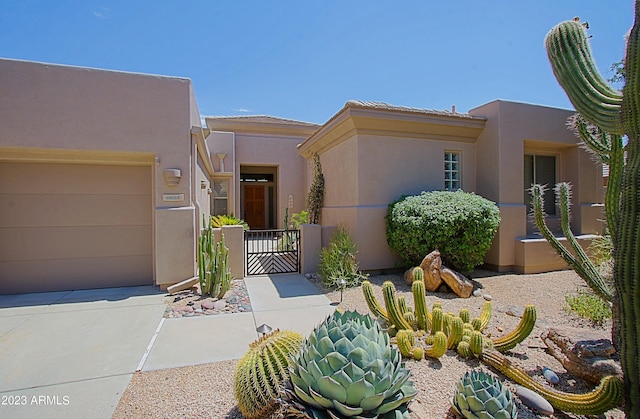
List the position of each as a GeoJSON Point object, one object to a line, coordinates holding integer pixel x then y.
{"type": "Point", "coordinates": [581, 353]}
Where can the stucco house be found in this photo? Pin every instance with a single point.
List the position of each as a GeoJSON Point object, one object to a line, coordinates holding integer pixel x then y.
{"type": "Point", "coordinates": [105, 176]}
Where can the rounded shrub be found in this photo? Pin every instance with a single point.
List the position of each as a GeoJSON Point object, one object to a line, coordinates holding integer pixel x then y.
{"type": "Point", "coordinates": [459, 224]}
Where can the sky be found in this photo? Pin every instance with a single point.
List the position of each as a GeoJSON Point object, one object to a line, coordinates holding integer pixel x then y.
{"type": "Point", "coordinates": [304, 60]}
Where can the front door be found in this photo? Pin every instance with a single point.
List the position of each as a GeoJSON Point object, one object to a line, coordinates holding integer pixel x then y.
{"type": "Point", "coordinates": [254, 206]}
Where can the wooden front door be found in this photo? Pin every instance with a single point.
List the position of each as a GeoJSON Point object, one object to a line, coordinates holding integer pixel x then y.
{"type": "Point", "coordinates": [254, 206]}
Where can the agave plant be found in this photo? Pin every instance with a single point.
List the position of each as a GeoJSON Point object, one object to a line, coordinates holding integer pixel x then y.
{"type": "Point", "coordinates": [481, 395]}
{"type": "Point", "coordinates": [348, 368]}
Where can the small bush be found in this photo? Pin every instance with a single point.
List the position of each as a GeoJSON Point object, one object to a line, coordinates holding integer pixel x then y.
{"type": "Point", "coordinates": [588, 305]}
{"type": "Point", "coordinates": [218, 221]}
{"type": "Point", "coordinates": [339, 261]}
{"type": "Point", "coordinates": [460, 225]}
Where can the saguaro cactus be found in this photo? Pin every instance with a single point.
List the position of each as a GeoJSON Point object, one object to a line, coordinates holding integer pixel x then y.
{"type": "Point", "coordinates": [617, 113]}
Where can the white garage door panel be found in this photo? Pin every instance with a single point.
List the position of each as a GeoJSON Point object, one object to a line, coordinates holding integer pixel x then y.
{"type": "Point", "coordinates": [71, 274]}
{"type": "Point", "coordinates": [74, 226]}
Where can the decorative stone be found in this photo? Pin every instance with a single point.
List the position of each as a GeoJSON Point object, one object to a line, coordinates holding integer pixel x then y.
{"type": "Point", "coordinates": [207, 305]}
{"type": "Point", "coordinates": [581, 353]}
{"type": "Point", "coordinates": [515, 311]}
{"type": "Point", "coordinates": [219, 305]}
{"type": "Point", "coordinates": [534, 401]}
{"type": "Point", "coordinates": [487, 297]}
{"type": "Point", "coordinates": [550, 375]}
{"type": "Point", "coordinates": [477, 292]}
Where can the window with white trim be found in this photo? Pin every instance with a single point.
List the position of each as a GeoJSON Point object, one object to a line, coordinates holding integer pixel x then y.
{"type": "Point", "coordinates": [452, 171]}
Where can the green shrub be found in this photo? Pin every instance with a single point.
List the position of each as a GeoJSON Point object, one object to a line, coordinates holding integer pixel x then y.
{"type": "Point", "coordinates": [588, 305]}
{"type": "Point", "coordinates": [339, 261]}
{"type": "Point", "coordinates": [218, 221]}
{"type": "Point", "coordinates": [460, 225]}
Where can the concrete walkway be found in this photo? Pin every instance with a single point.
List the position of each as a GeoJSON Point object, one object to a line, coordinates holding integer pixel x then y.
{"type": "Point", "coordinates": [72, 354]}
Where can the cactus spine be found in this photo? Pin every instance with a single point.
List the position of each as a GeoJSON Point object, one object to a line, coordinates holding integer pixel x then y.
{"type": "Point", "coordinates": [617, 113]}
{"type": "Point", "coordinates": [262, 370]}
{"type": "Point", "coordinates": [606, 396]}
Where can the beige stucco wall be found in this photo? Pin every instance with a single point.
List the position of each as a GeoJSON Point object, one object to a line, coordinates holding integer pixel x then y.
{"type": "Point", "coordinates": [512, 130]}
{"type": "Point", "coordinates": [370, 159]}
{"type": "Point", "coordinates": [264, 141]}
{"type": "Point", "coordinates": [49, 109]}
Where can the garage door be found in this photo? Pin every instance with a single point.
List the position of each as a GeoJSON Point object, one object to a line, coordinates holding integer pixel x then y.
{"type": "Point", "coordinates": [74, 226]}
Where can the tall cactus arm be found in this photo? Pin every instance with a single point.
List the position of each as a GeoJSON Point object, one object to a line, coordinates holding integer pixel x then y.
{"type": "Point", "coordinates": [595, 281]}
{"type": "Point", "coordinates": [609, 150]}
{"type": "Point", "coordinates": [606, 396]}
{"type": "Point", "coordinates": [627, 244]}
{"type": "Point", "coordinates": [573, 65]}
{"type": "Point", "coordinates": [584, 268]}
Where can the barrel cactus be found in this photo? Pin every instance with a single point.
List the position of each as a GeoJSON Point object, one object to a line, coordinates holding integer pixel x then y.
{"type": "Point", "coordinates": [348, 368]}
{"type": "Point", "coordinates": [262, 370]}
{"type": "Point", "coordinates": [482, 395]}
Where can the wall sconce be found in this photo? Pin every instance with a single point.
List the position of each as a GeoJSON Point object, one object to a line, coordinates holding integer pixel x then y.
{"type": "Point", "coordinates": [203, 184]}
{"type": "Point", "coordinates": [172, 177]}
{"type": "Point", "coordinates": [290, 202]}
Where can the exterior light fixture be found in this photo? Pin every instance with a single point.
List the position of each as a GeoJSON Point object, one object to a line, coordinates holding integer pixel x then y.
{"type": "Point", "coordinates": [172, 177]}
{"type": "Point", "coordinates": [341, 284]}
{"type": "Point", "coordinates": [263, 329]}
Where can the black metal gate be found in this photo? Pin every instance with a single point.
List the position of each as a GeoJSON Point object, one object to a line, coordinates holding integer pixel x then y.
{"type": "Point", "coordinates": [272, 251]}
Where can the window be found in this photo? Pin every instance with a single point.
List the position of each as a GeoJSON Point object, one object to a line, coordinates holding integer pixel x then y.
{"type": "Point", "coordinates": [541, 170]}
{"type": "Point", "coordinates": [220, 197]}
{"type": "Point", "coordinates": [452, 171]}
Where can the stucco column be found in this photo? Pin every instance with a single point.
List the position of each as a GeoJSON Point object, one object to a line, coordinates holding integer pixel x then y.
{"type": "Point", "coordinates": [234, 240]}
{"type": "Point", "coordinates": [310, 246]}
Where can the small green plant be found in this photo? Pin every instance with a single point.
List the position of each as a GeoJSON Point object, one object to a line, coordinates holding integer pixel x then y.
{"type": "Point", "coordinates": [316, 191]}
{"type": "Point", "coordinates": [588, 305]}
{"type": "Point", "coordinates": [339, 261]}
{"type": "Point", "coordinates": [227, 220]}
{"type": "Point", "coordinates": [299, 218]}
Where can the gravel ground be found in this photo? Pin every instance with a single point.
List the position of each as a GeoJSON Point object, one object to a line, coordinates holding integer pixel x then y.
{"type": "Point", "coordinates": [207, 390]}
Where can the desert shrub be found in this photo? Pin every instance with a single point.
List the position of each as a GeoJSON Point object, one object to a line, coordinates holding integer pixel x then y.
{"type": "Point", "coordinates": [338, 260]}
{"type": "Point", "coordinates": [588, 305]}
{"type": "Point", "coordinates": [460, 225]}
{"type": "Point", "coordinates": [218, 221]}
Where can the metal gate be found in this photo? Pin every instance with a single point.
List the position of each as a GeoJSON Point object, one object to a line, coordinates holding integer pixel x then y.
{"type": "Point", "coordinates": [272, 251]}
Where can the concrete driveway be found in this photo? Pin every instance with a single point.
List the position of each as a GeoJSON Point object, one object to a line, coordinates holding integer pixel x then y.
{"type": "Point", "coordinates": [72, 354]}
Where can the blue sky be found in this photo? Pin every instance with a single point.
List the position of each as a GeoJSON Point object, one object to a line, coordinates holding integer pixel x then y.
{"type": "Point", "coordinates": [304, 59]}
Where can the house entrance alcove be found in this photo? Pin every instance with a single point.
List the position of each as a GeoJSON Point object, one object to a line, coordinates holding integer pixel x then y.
{"type": "Point", "coordinates": [258, 196]}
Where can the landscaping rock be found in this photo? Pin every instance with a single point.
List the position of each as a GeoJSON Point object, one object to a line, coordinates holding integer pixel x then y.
{"type": "Point", "coordinates": [581, 353]}
{"type": "Point", "coordinates": [534, 401]}
{"type": "Point", "coordinates": [207, 305]}
{"type": "Point", "coordinates": [220, 305]}
{"type": "Point", "coordinates": [487, 297]}
{"type": "Point", "coordinates": [550, 375]}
